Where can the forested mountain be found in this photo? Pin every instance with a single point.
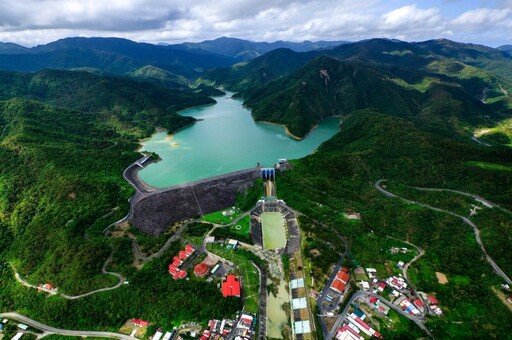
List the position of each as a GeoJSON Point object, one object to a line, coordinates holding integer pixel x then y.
{"type": "Point", "coordinates": [506, 48]}
{"type": "Point", "coordinates": [408, 111]}
{"type": "Point", "coordinates": [66, 137]}
{"type": "Point", "coordinates": [392, 76]}
{"type": "Point", "coordinates": [113, 55]}
{"type": "Point", "coordinates": [143, 104]}
{"type": "Point", "coordinates": [122, 56]}
{"type": "Point", "coordinates": [244, 50]}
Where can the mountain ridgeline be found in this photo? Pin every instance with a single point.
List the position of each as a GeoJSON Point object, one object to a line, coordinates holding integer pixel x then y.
{"type": "Point", "coordinates": [425, 80]}
{"type": "Point", "coordinates": [408, 112]}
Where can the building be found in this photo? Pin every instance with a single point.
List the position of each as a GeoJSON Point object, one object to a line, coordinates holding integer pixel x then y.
{"type": "Point", "coordinates": [140, 323]}
{"type": "Point", "coordinates": [341, 280]}
{"type": "Point", "coordinates": [418, 303]}
{"type": "Point", "coordinates": [372, 272]}
{"type": "Point", "coordinates": [201, 270]}
{"type": "Point", "coordinates": [432, 299]}
{"type": "Point", "coordinates": [189, 249]}
{"type": "Point", "coordinates": [346, 333]}
{"type": "Point", "coordinates": [173, 269]}
{"type": "Point", "coordinates": [231, 287]}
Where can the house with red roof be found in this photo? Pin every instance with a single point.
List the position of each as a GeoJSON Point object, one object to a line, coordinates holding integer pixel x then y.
{"type": "Point", "coordinates": [189, 249]}
{"type": "Point", "coordinates": [183, 255]}
{"type": "Point", "coordinates": [341, 280]}
{"type": "Point", "coordinates": [432, 300]}
{"type": "Point", "coordinates": [418, 303]}
{"type": "Point", "coordinates": [231, 287]}
{"type": "Point", "coordinates": [173, 269]}
{"type": "Point", "coordinates": [140, 323]}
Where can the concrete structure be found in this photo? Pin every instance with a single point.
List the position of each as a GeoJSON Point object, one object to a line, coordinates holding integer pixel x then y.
{"type": "Point", "coordinates": [154, 212]}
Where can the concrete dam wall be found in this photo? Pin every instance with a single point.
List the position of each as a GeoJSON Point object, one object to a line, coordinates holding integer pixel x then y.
{"type": "Point", "coordinates": [154, 212]}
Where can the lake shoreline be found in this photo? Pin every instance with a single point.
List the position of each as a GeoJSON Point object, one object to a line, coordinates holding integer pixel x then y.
{"type": "Point", "coordinates": [286, 129]}
{"type": "Point", "coordinates": [228, 139]}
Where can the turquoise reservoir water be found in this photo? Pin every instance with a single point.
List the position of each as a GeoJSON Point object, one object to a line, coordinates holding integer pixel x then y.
{"type": "Point", "coordinates": [225, 140]}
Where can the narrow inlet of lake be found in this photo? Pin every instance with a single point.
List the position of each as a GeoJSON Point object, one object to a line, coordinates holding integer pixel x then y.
{"type": "Point", "coordinates": [226, 139]}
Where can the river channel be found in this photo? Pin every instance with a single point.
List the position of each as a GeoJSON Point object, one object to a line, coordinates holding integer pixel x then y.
{"type": "Point", "coordinates": [226, 139]}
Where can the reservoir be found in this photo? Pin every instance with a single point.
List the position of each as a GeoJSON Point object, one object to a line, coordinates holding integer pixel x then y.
{"type": "Point", "coordinates": [226, 139]}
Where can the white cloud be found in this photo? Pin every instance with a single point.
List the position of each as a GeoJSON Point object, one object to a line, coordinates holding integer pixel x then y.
{"type": "Point", "coordinates": [32, 22]}
{"type": "Point", "coordinates": [411, 16]}
{"type": "Point", "coordinates": [482, 17]}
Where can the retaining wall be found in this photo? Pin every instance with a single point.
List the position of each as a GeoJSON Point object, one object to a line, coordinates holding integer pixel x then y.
{"type": "Point", "coordinates": [153, 213]}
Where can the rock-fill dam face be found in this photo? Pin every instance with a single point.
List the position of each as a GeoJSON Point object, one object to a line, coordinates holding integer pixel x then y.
{"type": "Point", "coordinates": [154, 212]}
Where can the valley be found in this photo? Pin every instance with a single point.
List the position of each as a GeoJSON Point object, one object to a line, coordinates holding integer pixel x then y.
{"type": "Point", "coordinates": [395, 223]}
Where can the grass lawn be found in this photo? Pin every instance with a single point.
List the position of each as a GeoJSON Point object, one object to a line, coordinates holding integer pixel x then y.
{"type": "Point", "coordinates": [218, 218]}
{"type": "Point", "coordinates": [240, 231]}
{"type": "Point", "coordinates": [251, 279]}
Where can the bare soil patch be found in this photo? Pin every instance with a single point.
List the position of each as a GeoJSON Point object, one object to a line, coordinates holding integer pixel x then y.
{"type": "Point", "coordinates": [441, 278]}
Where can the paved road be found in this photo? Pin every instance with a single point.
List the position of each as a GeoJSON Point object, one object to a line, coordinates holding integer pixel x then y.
{"type": "Point", "coordinates": [421, 252]}
{"type": "Point", "coordinates": [497, 269]}
{"type": "Point", "coordinates": [475, 197]}
{"type": "Point", "coordinates": [130, 175]}
{"type": "Point", "coordinates": [262, 333]}
{"type": "Point", "coordinates": [475, 139]}
{"type": "Point", "coordinates": [47, 330]}
{"type": "Point", "coordinates": [328, 284]}
{"type": "Point", "coordinates": [138, 254]}
{"type": "Point", "coordinates": [362, 294]}
{"type": "Point", "coordinates": [120, 282]}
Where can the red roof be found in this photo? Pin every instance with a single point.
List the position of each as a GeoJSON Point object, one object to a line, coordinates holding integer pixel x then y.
{"type": "Point", "coordinates": [201, 269]}
{"type": "Point", "coordinates": [139, 322]}
{"type": "Point", "coordinates": [173, 269]}
{"type": "Point", "coordinates": [432, 300]}
{"type": "Point", "coordinates": [343, 277]}
{"type": "Point", "coordinates": [176, 275]}
{"type": "Point", "coordinates": [382, 285]}
{"type": "Point", "coordinates": [373, 299]}
{"type": "Point", "coordinates": [183, 255]}
{"type": "Point", "coordinates": [176, 260]}
{"type": "Point", "coordinates": [344, 269]}
{"type": "Point", "coordinates": [231, 287]}
{"type": "Point", "coordinates": [183, 274]}
{"type": "Point", "coordinates": [362, 323]}
{"type": "Point", "coordinates": [418, 303]}
{"type": "Point", "coordinates": [338, 286]}
{"type": "Point", "coordinates": [189, 249]}
{"type": "Point", "coordinates": [348, 328]}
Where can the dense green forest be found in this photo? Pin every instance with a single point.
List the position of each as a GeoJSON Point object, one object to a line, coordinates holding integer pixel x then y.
{"type": "Point", "coordinates": [449, 87]}
{"type": "Point", "coordinates": [371, 146]}
{"type": "Point", "coordinates": [408, 110]}
{"type": "Point", "coordinates": [66, 138]}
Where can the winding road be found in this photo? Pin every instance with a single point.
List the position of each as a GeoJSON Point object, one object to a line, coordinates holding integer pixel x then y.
{"type": "Point", "coordinates": [363, 294]}
{"type": "Point", "coordinates": [47, 330]}
{"type": "Point", "coordinates": [120, 282]}
{"type": "Point", "coordinates": [497, 269]}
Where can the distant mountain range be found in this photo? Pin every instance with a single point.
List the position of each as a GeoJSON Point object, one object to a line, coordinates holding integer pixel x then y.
{"type": "Point", "coordinates": [244, 50]}
{"type": "Point", "coordinates": [506, 48]}
{"type": "Point", "coordinates": [122, 56]}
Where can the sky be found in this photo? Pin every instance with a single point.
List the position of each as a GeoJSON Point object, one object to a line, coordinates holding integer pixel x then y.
{"type": "Point", "coordinates": [33, 22]}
